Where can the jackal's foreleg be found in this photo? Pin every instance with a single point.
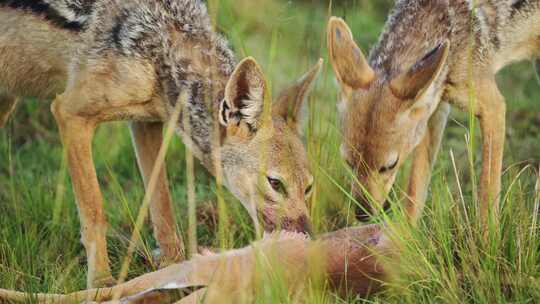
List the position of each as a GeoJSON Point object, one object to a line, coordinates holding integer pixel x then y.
{"type": "Point", "coordinates": [7, 105]}
{"type": "Point", "coordinates": [491, 111]}
{"type": "Point", "coordinates": [147, 140]}
{"type": "Point", "coordinates": [111, 90]}
{"type": "Point", "coordinates": [425, 156]}
{"type": "Point", "coordinates": [77, 133]}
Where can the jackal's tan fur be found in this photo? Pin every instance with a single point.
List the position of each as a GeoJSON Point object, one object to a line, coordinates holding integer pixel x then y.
{"type": "Point", "coordinates": [110, 60]}
{"type": "Point", "coordinates": [432, 52]}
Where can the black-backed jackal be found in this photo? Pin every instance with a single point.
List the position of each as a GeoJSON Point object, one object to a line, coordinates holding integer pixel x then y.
{"type": "Point", "coordinates": [110, 60]}
{"type": "Point", "coordinates": [432, 53]}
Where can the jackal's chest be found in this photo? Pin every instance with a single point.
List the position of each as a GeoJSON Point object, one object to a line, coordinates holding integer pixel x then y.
{"type": "Point", "coordinates": [196, 127]}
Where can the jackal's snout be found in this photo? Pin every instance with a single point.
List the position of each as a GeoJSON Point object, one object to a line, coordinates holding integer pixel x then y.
{"type": "Point", "coordinates": [365, 211]}
{"type": "Point", "coordinates": [371, 198]}
{"type": "Point", "coordinates": [300, 224]}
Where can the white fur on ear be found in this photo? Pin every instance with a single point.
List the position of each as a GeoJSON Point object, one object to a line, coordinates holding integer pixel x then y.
{"type": "Point", "coordinates": [252, 106]}
{"type": "Point", "coordinates": [249, 111]}
{"type": "Point", "coordinates": [244, 95]}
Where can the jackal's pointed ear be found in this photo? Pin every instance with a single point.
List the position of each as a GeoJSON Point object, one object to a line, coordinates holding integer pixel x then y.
{"type": "Point", "coordinates": [412, 84]}
{"type": "Point", "coordinates": [537, 69]}
{"type": "Point", "coordinates": [242, 106]}
{"type": "Point", "coordinates": [349, 63]}
{"type": "Point", "coordinates": [291, 101]}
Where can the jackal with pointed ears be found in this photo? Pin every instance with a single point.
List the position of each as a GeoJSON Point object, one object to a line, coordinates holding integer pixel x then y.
{"type": "Point", "coordinates": [112, 60]}
{"type": "Point", "coordinates": [432, 54]}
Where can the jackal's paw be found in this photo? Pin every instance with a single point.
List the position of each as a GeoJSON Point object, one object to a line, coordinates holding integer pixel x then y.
{"type": "Point", "coordinates": [206, 251]}
{"type": "Point", "coordinates": [164, 260]}
{"type": "Point", "coordinates": [102, 282]}
{"type": "Point", "coordinates": [203, 251]}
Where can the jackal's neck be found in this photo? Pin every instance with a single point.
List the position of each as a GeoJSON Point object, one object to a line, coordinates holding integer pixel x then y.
{"type": "Point", "coordinates": [195, 72]}
{"type": "Point", "coordinates": [414, 28]}
{"type": "Point", "coordinates": [191, 61]}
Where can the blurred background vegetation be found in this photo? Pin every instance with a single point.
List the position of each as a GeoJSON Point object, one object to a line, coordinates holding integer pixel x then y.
{"type": "Point", "coordinates": [39, 230]}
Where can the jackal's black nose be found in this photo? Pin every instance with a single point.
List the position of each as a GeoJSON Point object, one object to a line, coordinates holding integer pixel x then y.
{"type": "Point", "coordinates": [305, 222]}
{"type": "Point", "coordinates": [364, 213]}
{"type": "Point", "coordinates": [302, 224]}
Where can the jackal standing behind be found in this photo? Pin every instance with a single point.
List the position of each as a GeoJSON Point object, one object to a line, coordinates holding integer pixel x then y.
{"type": "Point", "coordinates": [432, 53]}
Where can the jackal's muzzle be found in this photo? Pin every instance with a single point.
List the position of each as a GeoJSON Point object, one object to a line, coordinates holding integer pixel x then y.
{"type": "Point", "coordinates": [368, 205]}
{"type": "Point", "coordinates": [301, 224]}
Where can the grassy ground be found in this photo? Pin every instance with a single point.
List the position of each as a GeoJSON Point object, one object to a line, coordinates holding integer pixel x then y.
{"type": "Point", "coordinates": [443, 260]}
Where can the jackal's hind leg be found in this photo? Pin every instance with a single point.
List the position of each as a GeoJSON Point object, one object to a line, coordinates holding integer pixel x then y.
{"type": "Point", "coordinates": [425, 156]}
{"type": "Point", "coordinates": [147, 140]}
{"type": "Point", "coordinates": [7, 105]}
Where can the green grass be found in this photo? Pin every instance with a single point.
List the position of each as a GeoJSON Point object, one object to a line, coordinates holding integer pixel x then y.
{"type": "Point", "coordinates": [444, 259]}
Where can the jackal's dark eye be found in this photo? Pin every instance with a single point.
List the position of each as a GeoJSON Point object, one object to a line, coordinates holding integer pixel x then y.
{"type": "Point", "coordinates": [308, 189]}
{"type": "Point", "coordinates": [277, 185]}
{"type": "Point", "coordinates": [390, 167]}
